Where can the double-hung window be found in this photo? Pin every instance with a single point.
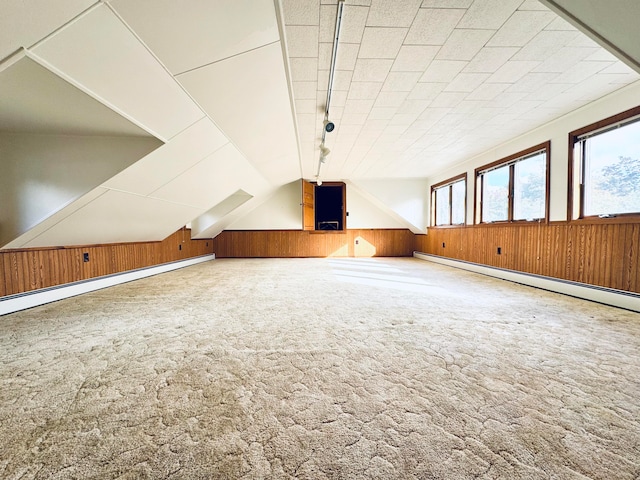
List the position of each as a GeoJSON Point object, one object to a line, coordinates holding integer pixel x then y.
{"type": "Point", "coordinates": [605, 168]}
{"type": "Point", "coordinates": [514, 188]}
{"type": "Point", "coordinates": [449, 201]}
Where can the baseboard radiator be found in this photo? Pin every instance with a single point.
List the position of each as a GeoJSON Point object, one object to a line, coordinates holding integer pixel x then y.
{"type": "Point", "coordinates": [608, 296]}
{"type": "Point", "coordinates": [34, 298]}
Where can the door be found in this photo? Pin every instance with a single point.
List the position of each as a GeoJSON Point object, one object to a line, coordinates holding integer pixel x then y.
{"type": "Point", "coordinates": [308, 206]}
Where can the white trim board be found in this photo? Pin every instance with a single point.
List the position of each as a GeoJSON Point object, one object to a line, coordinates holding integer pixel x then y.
{"type": "Point", "coordinates": [616, 298]}
{"type": "Point", "coordinates": [22, 301]}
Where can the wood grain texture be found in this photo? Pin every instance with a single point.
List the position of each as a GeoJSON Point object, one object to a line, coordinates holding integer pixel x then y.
{"type": "Point", "coordinates": [605, 255]}
{"type": "Point", "coordinates": [25, 270]}
{"type": "Point", "coordinates": [297, 243]}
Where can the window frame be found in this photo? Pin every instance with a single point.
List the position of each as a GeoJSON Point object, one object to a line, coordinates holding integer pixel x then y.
{"type": "Point", "coordinates": [510, 161]}
{"type": "Point", "coordinates": [606, 124]}
{"type": "Point", "coordinates": [449, 182]}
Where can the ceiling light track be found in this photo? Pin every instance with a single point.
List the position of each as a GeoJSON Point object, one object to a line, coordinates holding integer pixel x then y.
{"type": "Point", "coordinates": [327, 125]}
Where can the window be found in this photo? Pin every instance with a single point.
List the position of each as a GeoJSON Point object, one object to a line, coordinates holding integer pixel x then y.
{"type": "Point", "coordinates": [515, 188]}
{"type": "Point", "coordinates": [449, 200]}
{"type": "Point", "coordinates": [605, 168]}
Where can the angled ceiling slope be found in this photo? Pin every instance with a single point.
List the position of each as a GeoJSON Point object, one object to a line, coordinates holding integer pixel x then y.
{"type": "Point", "coordinates": [422, 85]}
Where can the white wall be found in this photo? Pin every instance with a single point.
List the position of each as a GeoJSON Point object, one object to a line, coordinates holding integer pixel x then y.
{"type": "Point", "coordinates": [43, 173]}
{"type": "Point", "coordinates": [406, 200]}
{"type": "Point", "coordinates": [280, 211]}
{"type": "Point", "coordinates": [558, 132]}
{"type": "Point", "coordinates": [364, 214]}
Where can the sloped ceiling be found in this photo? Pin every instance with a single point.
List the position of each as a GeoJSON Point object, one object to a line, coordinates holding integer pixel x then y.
{"type": "Point", "coordinates": [423, 84]}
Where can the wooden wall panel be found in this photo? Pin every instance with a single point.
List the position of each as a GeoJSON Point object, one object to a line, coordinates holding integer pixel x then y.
{"type": "Point", "coordinates": [606, 255]}
{"type": "Point", "coordinates": [23, 270]}
{"type": "Point", "coordinates": [298, 243]}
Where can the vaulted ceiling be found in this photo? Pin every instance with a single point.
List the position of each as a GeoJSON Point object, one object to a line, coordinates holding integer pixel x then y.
{"type": "Point", "coordinates": [198, 111]}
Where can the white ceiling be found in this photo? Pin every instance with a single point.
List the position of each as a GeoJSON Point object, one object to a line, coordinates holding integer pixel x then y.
{"type": "Point", "coordinates": [422, 85]}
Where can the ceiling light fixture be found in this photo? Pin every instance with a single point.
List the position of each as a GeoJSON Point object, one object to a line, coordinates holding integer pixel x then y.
{"type": "Point", "coordinates": [327, 125]}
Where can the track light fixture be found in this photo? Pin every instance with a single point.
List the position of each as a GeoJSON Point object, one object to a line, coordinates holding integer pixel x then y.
{"type": "Point", "coordinates": [327, 125]}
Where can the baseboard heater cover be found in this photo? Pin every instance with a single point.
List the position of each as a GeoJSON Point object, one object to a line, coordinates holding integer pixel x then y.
{"type": "Point", "coordinates": [607, 296]}
{"type": "Point", "coordinates": [22, 301]}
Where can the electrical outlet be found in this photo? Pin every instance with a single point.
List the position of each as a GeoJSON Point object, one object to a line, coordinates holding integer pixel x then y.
{"type": "Point", "coordinates": [443, 245]}
{"type": "Point", "coordinates": [85, 257]}
{"type": "Point", "coordinates": [499, 250]}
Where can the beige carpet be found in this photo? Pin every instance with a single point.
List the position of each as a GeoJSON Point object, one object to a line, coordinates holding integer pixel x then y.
{"type": "Point", "coordinates": [320, 368]}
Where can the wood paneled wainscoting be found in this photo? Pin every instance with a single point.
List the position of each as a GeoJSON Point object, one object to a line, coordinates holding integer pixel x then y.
{"type": "Point", "coordinates": [30, 269]}
{"type": "Point", "coordinates": [602, 254]}
{"type": "Point", "coordinates": [298, 243]}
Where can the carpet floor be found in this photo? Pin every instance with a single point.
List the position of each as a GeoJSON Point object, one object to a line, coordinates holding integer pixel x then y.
{"type": "Point", "coordinates": [320, 369]}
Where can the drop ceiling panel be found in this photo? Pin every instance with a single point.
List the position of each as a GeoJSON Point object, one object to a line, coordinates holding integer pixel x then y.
{"type": "Point", "coordinates": [117, 217]}
{"type": "Point", "coordinates": [187, 35]}
{"type": "Point", "coordinates": [167, 162]}
{"type": "Point", "coordinates": [248, 98]}
{"type": "Point", "coordinates": [25, 22]}
{"type": "Point", "coordinates": [433, 26]}
{"type": "Point", "coordinates": [100, 53]}
{"type": "Point", "coordinates": [211, 180]}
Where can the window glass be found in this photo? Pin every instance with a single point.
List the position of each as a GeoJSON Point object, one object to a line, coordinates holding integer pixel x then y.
{"type": "Point", "coordinates": [458, 206]}
{"type": "Point", "coordinates": [529, 187]}
{"type": "Point", "coordinates": [442, 206]}
{"type": "Point", "coordinates": [612, 171]}
{"type": "Point", "coordinates": [495, 195]}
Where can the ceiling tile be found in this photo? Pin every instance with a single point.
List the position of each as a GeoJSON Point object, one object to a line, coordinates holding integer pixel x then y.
{"type": "Point", "coordinates": [521, 28]}
{"type": "Point", "coordinates": [490, 59]}
{"type": "Point", "coordinates": [414, 58]}
{"type": "Point", "coordinates": [443, 70]}
{"type": "Point", "coordinates": [352, 27]}
{"type": "Point", "coordinates": [371, 69]}
{"type": "Point", "coordinates": [532, 5]}
{"type": "Point", "coordinates": [353, 119]}
{"type": "Point", "coordinates": [448, 99]}
{"type": "Point", "coordinates": [382, 113]}
{"type": "Point", "coordinates": [433, 26]}
{"type": "Point", "coordinates": [464, 44]}
{"type": "Point", "coordinates": [548, 92]}
{"type": "Point", "coordinates": [364, 90]}
{"type": "Point", "coordinates": [302, 41]}
{"type": "Point", "coordinates": [381, 42]}
{"type": "Point", "coordinates": [488, 14]}
{"type": "Point", "coordinates": [301, 12]}
{"type": "Point", "coordinates": [358, 106]}
{"type": "Point", "coordinates": [413, 106]}
{"type": "Point", "coordinates": [559, 23]}
{"type": "Point", "coordinates": [304, 69]}
{"type": "Point", "coordinates": [531, 82]}
{"type": "Point", "coordinates": [512, 71]}
{"type": "Point", "coordinates": [404, 119]}
{"type": "Point", "coordinates": [341, 79]}
{"type": "Point", "coordinates": [346, 56]}
{"type": "Point", "coordinates": [327, 23]}
{"type": "Point", "coordinates": [400, 81]}
{"type": "Point", "coordinates": [487, 91]}
{"type": "Point", "coordinates": [393, 13]}
{"type": "Point", "coordinates": [426, 91]}
{"type": "Point", "coordinates": [391, 99]}
{"type": "Point", "coordinates": [188, 35]}
{"type": "Point", "coordinates": [580, 72]}
{"type": "Point", "coordinates": [466, 82]}
{"type": "Point", "coordinates": [563, 59]}
{"type": "Point", "coordinates": [446, 3]}
{"type": "Point", "coordinates": [545, 44]}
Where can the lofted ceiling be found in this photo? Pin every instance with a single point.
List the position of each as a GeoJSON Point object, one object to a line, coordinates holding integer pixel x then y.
{"type": "Point", "coordinates": [221, 103]}
{"type": "Point", "coordinates": [423, 84]}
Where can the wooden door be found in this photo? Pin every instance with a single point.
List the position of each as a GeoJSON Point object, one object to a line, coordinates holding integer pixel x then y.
{"type": "Point", "coordinates": [308, 206]}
